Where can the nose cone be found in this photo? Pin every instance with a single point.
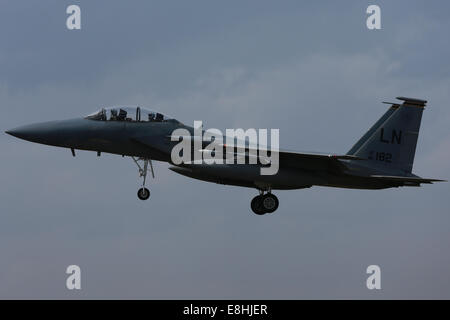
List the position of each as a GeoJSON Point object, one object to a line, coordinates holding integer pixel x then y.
{"type": "Point", "coordinates": [52, 133]}
{"type": "Point", "coordinates": [39, 132]}
{"type": "Point", "coordinates": [23, 132]}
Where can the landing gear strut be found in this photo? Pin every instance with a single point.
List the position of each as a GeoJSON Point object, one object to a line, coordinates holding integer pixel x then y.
{"type": "Point", "coordinates": [143, 193]}
{"type": "Point", "coordinates": [264, 203]}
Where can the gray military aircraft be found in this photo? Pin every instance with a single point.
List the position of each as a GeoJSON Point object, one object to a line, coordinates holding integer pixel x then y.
{"type": "Point", "coordinates": [382, 158]}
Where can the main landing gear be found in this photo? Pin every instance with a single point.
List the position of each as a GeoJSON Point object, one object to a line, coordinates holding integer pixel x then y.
{"type": "Point", "coordinates": [143, 193]}
{"type": "Point", "coordinates": [264, 203]}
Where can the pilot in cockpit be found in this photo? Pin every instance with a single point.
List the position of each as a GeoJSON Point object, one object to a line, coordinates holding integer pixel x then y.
{"type": "Point", "coordinates": [113, 114]}
{"type": "Point", "coordinates": [122, 115]}
{"type": "Point", "coordinates": [151, 117]}
{"type": "Point", "coordinates": [159, 117]}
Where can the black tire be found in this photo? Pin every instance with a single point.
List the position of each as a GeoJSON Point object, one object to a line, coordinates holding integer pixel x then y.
{"type": "Point", "coordinates": [269, 203]}
{"type": "Point", "coordinates": [143, 193]}
{"type": "Point", "coordinates": [256, 205]}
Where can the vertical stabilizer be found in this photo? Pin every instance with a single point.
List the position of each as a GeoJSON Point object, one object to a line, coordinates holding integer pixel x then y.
{"type": "Point", "coordinates": [391, 143]}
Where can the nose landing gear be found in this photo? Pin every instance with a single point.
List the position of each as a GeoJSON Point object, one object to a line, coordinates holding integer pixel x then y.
{"type": "Point", "coordinates": [143, 193]}
{"type": "Point", "coordinates": [264, 203]}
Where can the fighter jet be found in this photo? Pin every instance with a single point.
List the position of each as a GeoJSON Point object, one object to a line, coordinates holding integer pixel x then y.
{"type": "Point", "coordinates": [382, 158]}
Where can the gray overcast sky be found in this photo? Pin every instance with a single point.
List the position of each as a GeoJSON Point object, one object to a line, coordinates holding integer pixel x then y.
{"type": "Point", "coordinates": [312, 69]}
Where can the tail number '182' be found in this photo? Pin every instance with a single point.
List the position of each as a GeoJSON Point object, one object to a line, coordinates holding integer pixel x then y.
{"type": "Point", "coordinates": [380, 156]}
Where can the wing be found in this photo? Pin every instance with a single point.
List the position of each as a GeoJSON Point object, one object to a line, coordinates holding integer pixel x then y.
{"type": "Point", "coordinates": [288, 158]}
{"type": "Point", "coordinates": [309, 160]}
{"type": "Point", "coordinates": [314, 161]}
{"type": "Point", "coordinates": [294, 155]}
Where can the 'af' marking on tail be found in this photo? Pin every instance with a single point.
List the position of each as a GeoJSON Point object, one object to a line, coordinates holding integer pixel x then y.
{"type": "Point", "coordinates": [395, 137]}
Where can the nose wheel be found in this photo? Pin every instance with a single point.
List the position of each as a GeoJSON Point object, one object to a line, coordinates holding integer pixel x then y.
{"type": "Point", "coordinates": [143, 193]}
{"type": "Point", "coordinates": [264, 203]}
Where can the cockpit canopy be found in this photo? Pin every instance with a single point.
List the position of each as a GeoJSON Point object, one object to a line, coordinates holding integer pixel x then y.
{"type": "Point", "coordinates": [122, 113]}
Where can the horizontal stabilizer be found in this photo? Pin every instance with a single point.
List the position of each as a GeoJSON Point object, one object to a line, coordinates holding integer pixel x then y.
{"type": "Point", "coordinates": [406, 179]}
